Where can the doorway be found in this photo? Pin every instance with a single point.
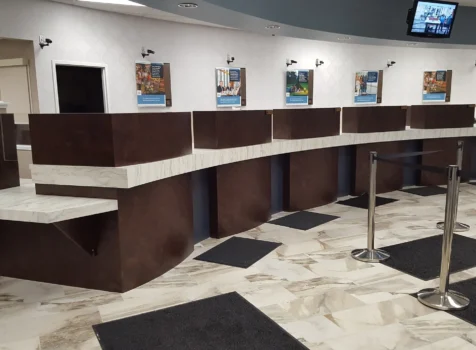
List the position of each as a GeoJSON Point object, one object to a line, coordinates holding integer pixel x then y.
{"type": "Point", "coordinates": [80, 88]}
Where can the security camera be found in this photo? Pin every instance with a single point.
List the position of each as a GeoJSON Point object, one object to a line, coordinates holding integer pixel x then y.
{"type": "Point", "coordinates": [45, 41]}
{"type": "Point", "coordinates": [147, 52]}
{"type": "Point", "coordinates": [290, 62]}
{"type": "Point", "coordinates": [319, 62]}
{"type": "Point", "coordinates": [390, 63]}
{"type": "Point", "coordinates": [230, 59]}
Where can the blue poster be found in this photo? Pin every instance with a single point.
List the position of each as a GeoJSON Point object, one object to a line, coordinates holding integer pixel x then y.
{"type": "Point", "coordinates": [228, 87]}
{"type": "Point", "coordinates": [434, 86]}
{"type": "Point", "coordinates": [366, 87]}
{"type": "Point", "coordinates": [150, 84]}
{"type": "Point", "coordinates": [297, 87]}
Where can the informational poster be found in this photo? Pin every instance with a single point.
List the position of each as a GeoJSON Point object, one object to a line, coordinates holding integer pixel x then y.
{"type": "Point", "coordinates": [366, 87]}
{"type": "Point", "coordinates": [435, 86]}
{"type": "Point", "coordinates": [228, 86]}
{"type": "Point", "coordinates": [297, 87]}
{"type": "Point", "coordinates": [150, 84]}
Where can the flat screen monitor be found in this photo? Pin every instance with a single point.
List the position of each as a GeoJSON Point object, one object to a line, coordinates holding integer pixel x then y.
{"type": "Point", "coordinates": [432, 19]}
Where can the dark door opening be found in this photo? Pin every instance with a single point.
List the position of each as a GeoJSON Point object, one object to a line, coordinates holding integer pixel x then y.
{"type": "Point", "coordinates": [80, 89]}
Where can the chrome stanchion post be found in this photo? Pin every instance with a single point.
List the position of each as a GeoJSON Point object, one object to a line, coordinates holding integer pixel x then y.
{"type": "Point", "coordinates": [441, 298]}
{"type": "Point", "coordinates": [459, 227]}
{"type": "Point", "coordinates": [370, 254]}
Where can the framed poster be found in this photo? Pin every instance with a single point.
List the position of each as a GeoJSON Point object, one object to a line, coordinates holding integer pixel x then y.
{"type": "Point", "coordinates": [367, 87]}
{"type": "Point", "coordinates": [436, 86]}
{"type": "Point", "coordinates": [298, 87]}
{"type": "Point", "coordinates": [150, 84]}
{"type": "Point", "coordinates": [228, 87]}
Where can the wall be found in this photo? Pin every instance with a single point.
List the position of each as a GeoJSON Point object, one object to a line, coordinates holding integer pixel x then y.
{"type": "Point", "coordinates": [194, 51]}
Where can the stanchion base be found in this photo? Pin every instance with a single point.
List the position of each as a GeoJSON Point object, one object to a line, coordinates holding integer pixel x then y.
{"type": "Point", "coordinates": [370, 256]}
{"type": "Point", "coordinates": [459, 227]}
{"type": "Point", "coordinates": [435, 299]}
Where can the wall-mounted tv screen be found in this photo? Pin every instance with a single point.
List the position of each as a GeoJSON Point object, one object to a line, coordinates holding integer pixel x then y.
{"type": "Point", "coordinates": [432, 18]}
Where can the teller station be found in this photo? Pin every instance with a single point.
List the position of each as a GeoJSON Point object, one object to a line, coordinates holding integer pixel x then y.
{"type": "Point", "coordinates": [119, 199]}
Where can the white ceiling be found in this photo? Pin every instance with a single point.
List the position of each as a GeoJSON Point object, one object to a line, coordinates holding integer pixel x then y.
{"type": "Point", "coordinates": [141, 11]}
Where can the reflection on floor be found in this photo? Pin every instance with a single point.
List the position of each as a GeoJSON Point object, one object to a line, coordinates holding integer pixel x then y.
{"type": "Point", "coordinates": [308, 285]}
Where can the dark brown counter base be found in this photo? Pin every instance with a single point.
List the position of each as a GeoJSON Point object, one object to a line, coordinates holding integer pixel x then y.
{"type": "Point", "coordinates": [240, 196]}
{"type": "Point", "coordinates": [389, 176]}
{"type": "Point", "coordinates": [310, 179]}
{"type": "Point", "coordinates": [150, 233]}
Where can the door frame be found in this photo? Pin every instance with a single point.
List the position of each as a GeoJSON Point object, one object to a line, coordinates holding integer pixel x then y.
{"type": "Point", "coordinates": [104, 75]}
{"type": "Point", "coordinates": [20, 62]}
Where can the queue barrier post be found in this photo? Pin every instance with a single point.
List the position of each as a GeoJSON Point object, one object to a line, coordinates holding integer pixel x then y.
{"type": "Point", "coordinates": [370, 254]}
{"type": "Point", "coordinates": [442, 298]}
{"type": "Point", "coordinates": [459, 226]}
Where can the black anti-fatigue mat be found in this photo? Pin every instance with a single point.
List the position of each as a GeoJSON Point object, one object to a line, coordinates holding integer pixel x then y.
{"type": "Point", "coordinates": [422, 258]}
{"type": "Point", "coordinates": [363, 201]}
{"type": "Point", "coordinates": [225, 322]}
{"type": "Point", "coordinates": [303, 220]}
{"type": "Point", "coordinates": [425, 191]}
{"type": "Point", "coordinates": [238, 252]}
{"type": "Point", "coordinates": [468, 288]}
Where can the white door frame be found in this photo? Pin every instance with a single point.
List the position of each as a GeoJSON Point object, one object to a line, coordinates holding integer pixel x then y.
{"type": "Point", "coordinates": [105, 83]}
{"type": "Point", "coordinates": [20, 62]}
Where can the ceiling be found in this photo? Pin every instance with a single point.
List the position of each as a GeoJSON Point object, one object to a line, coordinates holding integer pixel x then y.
{"type": "Point", "coordinates": [138, 11]}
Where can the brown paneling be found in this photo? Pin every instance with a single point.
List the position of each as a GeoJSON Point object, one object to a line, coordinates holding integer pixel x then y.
{"type": "Point", "coordinates": [389, 176]}
{"type": "Point", "coordinates": [243, 86]}
{"type": "Point", "coordinates": [441, 116]}
{"type": "Point", "coordinates": [449, 83]}
{"type": "Point", "coordinates": [311, 87]}
{"type": "Point", "coordinates": [76, 191]}
{"type": "Point", "coordinates": [9, 176]}
{"type": "Point", "coordinates": [446, 157]}
{"type": "Point", "coordinates": [156, 228]}
{"type": "Point", "coordinates": [150, 233]}
{"type": "Point", "coordinates": [305, 123]}
{"type": "Point", "coordinates": [109, 139]}
{"type": "Point", "coordinates": [226, 129]}
{"type": "Point", "coordinates": [168, 85]}
{"type": "Point", "coordinates": [373, 119]}
{"type": "Point", "coordinates": [310, 179]}
{"type": "Point", "coordinates": [240, 196]}
{"type": "Point", "coordinates": [380, 86]}
{"type": "Point", "coordinates": [43, 253]}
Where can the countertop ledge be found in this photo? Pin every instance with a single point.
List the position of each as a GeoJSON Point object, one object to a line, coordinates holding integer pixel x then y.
{"type": "Point", "coordinates": [140, 174]}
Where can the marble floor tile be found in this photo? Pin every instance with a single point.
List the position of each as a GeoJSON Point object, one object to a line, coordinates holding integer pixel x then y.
{"type": "Point", "coordinates": [310, 286]}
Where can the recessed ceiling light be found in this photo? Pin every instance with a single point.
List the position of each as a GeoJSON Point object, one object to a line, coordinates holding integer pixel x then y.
{"type": "Point", "coordinates": [412, 44]}
{"type": "Point", "coordinates": [273, 26]}
{"type": "Point", "coordinates": [114, 2]}
{"type": "Point", "coordinates": [343, 38]}
{"type": "Point", "coordinates": [188, 5]}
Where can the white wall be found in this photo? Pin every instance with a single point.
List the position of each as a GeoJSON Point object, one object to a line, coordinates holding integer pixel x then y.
{"type": "Point", "coordinates": [194, 51]}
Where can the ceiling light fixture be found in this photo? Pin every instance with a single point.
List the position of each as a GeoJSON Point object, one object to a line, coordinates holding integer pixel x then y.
{"type": "Point", "coordinates": [114, 2]}
{"type": "Point", "coordinates": [343, 38]}
{"type": "Point", "coordinates": [412, 44]}
{"type": "Point", "coordinates": [188, 5]}
{"type": "Point", "coordinates": [273, 26]}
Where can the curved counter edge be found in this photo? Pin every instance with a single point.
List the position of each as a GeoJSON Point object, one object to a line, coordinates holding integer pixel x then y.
{"type": "Point", "coordinates": [136, 175]}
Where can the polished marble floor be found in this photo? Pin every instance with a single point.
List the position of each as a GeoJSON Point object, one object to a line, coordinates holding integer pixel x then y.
{"type": "Point", "coordinates": [309, 286]}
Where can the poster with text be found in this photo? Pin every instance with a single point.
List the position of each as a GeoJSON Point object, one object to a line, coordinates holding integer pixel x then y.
{"type": "Point", "coordinates": [150, 84]}
{"type": "Point", "coordinates": [434, 86]}
{"type": "Point", "coordinates": [228, 86]}
{"type": "Point", "coordinates": [297, 87]}
{"type": "Point", "coordinates": [366, 87]}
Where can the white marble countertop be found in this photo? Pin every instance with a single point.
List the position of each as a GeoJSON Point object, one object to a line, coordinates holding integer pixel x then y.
{"type": "Point", "coordinates": [23, 204]}
{"type": "Point", "coordinates": [136, 175]}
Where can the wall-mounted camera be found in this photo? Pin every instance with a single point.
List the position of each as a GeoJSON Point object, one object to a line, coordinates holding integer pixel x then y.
{"type": "Point", "coordinates": [390, 63]}
{"type": "Point", "coordinates": [319, 62]}
{"type": "Point", "coordinates": [44, 41]}
{"type": "Point", "coordinates": [290, 62]}
{"type": "Point", "coordinates": [230, 59]}
{"type": "Point", "coordinates": [147, 52]}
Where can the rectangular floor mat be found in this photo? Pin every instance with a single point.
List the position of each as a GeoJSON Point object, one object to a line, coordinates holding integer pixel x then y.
{"type": "Point", "coordinates": [303, 220]}
{"type": "Point", "coordinates": [363, 201]}
{"type": "Point", "coordinates": [225, 322]}
{"type": "Point", "coordinates": [426, 191]}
